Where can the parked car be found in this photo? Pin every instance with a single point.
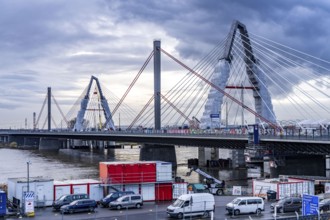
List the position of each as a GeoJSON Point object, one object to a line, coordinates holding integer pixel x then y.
{"type": "Point", "coordinates": [67, 199]}
{"type": "Point", "coordinates": [324, 205]}
{"type": "Point", "coordinates": [245, 205]}
{"type": "Point", "coordinates": [289, 204]}
{"type": "Point", "coordinates": [128, 201]}
{"type": "Point", "coordinates": [81, 205]}
{"type": "Point", "coordinates": [114, 196]}
{"type": "Point", "coordinates": [195, 204]}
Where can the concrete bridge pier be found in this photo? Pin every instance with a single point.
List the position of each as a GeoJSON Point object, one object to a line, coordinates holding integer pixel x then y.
{"type": "Point", "coordinates": [207, 154]}
{"type": "Point", "coordinates": [304, 165]}
{"type": "Point", "coordinates": [327, 165]}
{"type": "Point", "coordinates": [152, 152]}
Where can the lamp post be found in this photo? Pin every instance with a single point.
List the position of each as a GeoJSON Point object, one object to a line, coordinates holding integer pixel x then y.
{"type": "Point", "coordinates": [28, 175]}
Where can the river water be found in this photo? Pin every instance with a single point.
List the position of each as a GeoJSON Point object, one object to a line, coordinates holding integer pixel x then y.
{"type": "Point", "coordinates": [68, 164]}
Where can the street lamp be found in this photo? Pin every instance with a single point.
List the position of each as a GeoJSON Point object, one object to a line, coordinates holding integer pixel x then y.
{"type": "Point", "coordinates": [28, 175]}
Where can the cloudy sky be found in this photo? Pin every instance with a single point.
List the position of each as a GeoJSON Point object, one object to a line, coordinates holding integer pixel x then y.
{"type": "Point", "coordinates": [61, 43]}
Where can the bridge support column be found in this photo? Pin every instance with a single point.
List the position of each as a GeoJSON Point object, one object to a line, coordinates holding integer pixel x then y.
{"type": "Point", "coordinates": [327, 165]}
{"type": "Point", "coordinates": [206, 154]}
{"type": "Point", "coordinates": [152, 152]}
{"type": "Point", "coordinates": [308, 165]}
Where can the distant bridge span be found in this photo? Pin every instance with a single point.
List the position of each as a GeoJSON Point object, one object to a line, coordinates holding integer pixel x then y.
{"type": "Point", "coordinates": [314, 146]}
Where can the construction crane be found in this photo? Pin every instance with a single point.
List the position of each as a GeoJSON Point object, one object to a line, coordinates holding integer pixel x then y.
{"type": "Point", "coordinates": [214, 185]}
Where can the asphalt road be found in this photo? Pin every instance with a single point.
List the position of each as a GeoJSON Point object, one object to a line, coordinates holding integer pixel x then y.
{"type": "Point", "coordinates": [155, 211]}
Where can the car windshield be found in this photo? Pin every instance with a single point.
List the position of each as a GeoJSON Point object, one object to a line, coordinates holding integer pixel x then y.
{"type": "Point", "coordinates": [108, 196]}
{"type": "Point", "coordinates": [236, 201]}
{"type": "Point", "coordinates": [62, 197]}
{"type": "Point", "coordinates": [325, 201]}
{"type": "Point", "coordinates": [178, 203]}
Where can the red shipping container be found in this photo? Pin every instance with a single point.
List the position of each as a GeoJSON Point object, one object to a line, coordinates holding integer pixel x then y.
{"type": "Point", "coordinates": [132, 173]}
{"type": "Point", "coordinates": [163, 192]}
{"type": "Point", "coordinates": [148, 172]}
{"type": "Point", "coordinates": [116, 173]}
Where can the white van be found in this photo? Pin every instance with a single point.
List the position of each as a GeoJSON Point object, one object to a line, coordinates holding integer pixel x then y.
{"type": "Point", "coordinates": [192, 205]}
{"type": "Point", "coordinates": [246, 205]}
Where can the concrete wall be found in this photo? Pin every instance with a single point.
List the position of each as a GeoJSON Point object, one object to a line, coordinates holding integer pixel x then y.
{"type": "Point", "coordinates": [152, 152]}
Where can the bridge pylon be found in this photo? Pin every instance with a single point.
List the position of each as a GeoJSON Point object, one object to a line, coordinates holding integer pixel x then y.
{"type": "Point", "coordinates": [79, 124]}
{"type": "Point", "coordinates": [263, 105]}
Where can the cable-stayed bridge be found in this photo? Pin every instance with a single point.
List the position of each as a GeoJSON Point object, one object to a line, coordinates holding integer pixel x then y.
{"type": "Point", "coordinates": [244, 80]}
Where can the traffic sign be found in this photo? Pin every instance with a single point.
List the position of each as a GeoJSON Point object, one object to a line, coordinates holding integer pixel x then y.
{"type": "Point", "coordinates": [310, 205]}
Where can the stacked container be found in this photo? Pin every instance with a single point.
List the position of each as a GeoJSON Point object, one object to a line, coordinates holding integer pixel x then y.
{"type": "Point", "coordinates": [151, 179]}
{"type": "Point", "coordinates": [89, 186]}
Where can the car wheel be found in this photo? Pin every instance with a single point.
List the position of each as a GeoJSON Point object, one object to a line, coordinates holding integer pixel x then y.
{"type": "Point", "coordinates": [180, 216]}
{"type": "Point", "coordinates": [258, 212]}
{"type": "Point", "coordinates": [279, 210]}
{"type": "Point", "coordinates": [138, 205]}
{"type": "Point", "coordinates": [206, 214]}
{"type": "Point", "coordinates": [236, 212]}
{"type": "Point", "coordinates": [71, 211]}
{"type": "Point", "coordinates": [219, 192]}
{"type": "Point", "coordinates": [118, 207]}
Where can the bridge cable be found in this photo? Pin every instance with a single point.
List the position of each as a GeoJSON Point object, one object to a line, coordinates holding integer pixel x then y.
{"type": "Point", "coordinates": [141, 112]}
{"type": "Point", "coordinates": [223, 92]}
{"type": "Point", "coordinates": [61, 112]}
{"type": "Point", "coordinates": [41, 111]}
{"type": "Point", "coordinates": [133, 82]}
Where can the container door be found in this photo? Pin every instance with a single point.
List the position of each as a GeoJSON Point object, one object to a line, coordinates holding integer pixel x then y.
{"type": "Point", "coordinates": [95, 192]}
{"type": "Point", "coordinates": [61, 190]}
{"type": "Point", "coordinates": [132, 173]}
{"type": "Point", "coordinates": [164, 192]}
{"type": "Point", "coordinates": [79, 189]}
{"type": "Point", "coordinates": [148, 192]}
{"type": "Point", "coordinates": [40, 193]}
{"type": "Point", "coordinates": [148, 172]}
{"type": "Point", "coordinates": [179, 189]}
{"type": "Point", "coordinates": [116, 173]}
{"type": "Point", "coordinates": [164, 171]}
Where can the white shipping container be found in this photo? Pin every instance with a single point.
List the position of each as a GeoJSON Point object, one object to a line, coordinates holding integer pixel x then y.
{"type": "Point", "coordinates": [79, 186]}
{"type": "Point", "coordinates": [283, 189]}
{"type": "Point", "coordinates": [163, 171]}
{"type": "Point", "coordinates": [148, 192]}
{"type": "Point", "coordinates": [96, 192]}
{"type": "Point", "coordinates": [132, 187]}
{"type": "Point", "coordinates": [60, 190]}
{"type": "Point", "coordinates": [43, 189]}
{"type": "Point", "coordinates": [260, 187]}
{"type": "Point", "coordinates": [179, 189]}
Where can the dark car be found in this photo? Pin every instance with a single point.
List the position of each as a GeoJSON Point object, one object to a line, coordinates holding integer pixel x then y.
{"type": "Point", "coordinates": [114, 196]}
{"type": "Point", "coordinates": [67, 199]}
{"type": "Point", "coordinates": [324, 205]}
{"type": "Point", "coordinates": [81, 205]}
{"type": "Point", "coordinates": [290, 204]}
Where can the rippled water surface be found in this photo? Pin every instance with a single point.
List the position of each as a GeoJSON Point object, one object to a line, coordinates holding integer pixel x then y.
{"type": "Point", "coordinates": [80, 164]}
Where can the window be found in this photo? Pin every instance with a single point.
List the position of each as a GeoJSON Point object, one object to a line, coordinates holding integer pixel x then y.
{"type": "Point", "coordinates": [243, 202]}
{"type": "Point", "coordinates": [136, 197]}
{"type": "Point", "coordinates": [125, 199]}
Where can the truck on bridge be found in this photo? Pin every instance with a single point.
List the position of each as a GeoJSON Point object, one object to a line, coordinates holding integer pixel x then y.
{"type": "Point", "coordinates": [213, 185]}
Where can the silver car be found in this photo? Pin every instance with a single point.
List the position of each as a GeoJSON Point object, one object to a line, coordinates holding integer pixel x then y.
{"type": "Point", "coordinates": [128, 201]}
